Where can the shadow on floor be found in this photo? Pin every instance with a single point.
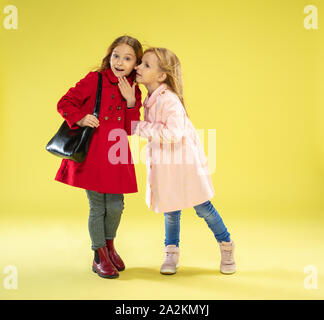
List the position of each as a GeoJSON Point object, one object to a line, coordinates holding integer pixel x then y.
{"type": "Point", "coordinates": [189, 271]}
{"type": "Point", "coordinates": [154, 273]}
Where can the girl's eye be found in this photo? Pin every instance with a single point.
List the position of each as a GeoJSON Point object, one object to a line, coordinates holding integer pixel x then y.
{"type": "Point", "coordinates": [146, 65]}
{"type": "Point", "coordinates": [115, 56]}
{"type": "Point", "coordinates": [127, 58]}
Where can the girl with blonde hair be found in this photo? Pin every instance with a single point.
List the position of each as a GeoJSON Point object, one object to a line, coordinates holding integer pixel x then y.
{"type": "Point", "coordinates": [177, 172]}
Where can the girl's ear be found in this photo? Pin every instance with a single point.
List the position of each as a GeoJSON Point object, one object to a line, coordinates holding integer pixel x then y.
{"type": "Point", "coordinates": [162, 77]}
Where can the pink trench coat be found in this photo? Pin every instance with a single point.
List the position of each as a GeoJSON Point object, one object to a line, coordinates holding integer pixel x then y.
{"type": "Point", "coordinates": [177, 171]}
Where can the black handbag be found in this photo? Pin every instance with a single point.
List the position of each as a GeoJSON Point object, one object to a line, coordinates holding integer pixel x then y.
{"type": "Point", "coordinates": [73, 144]}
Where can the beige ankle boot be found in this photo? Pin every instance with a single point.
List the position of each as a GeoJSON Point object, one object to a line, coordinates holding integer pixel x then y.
{"type": "Point", "coordinates": [171, 259]}
{"type": "Point", "coordinates": [227, 265]}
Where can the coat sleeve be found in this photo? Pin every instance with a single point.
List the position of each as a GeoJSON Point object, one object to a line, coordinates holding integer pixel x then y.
{"type": "Point", "coordinates": [133, 114]}
{"type": "Point", "coordinates": [69, 106]}
{"type": "Point", "coordinates": [172, 129]}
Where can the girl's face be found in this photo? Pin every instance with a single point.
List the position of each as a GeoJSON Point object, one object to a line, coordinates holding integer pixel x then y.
{"type": "Point", "coordinates": [122, 60]}
{"type": "Point", "coordinates": [148, 72]}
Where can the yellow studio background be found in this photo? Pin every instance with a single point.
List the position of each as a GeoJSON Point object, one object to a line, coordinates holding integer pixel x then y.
{"type": "Point", "coordinates": [252, 71]}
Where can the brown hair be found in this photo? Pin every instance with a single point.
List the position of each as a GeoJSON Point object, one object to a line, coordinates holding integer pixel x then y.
{"type": "Point", "coordinates": [132, 42]}
{"type": "Point", "coordinates": [170, 64]}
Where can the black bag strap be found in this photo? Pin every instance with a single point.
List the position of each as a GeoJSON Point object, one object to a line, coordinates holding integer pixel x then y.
{"type": "Point", "coordinates": [98, 96]}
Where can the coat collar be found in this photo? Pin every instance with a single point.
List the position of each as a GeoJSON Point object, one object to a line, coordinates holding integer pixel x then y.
{"type": "Point", "coordinates": [149, 100]}
{"type": "Point", "coordinates": [113, 79]}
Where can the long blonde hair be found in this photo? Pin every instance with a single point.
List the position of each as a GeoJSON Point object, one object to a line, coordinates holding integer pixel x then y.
{"type": "Point", "coordinates": [169, 64]}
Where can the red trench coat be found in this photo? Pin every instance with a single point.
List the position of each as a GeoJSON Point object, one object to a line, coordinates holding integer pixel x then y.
{"type": "Point", "coordinates": [97, 172]}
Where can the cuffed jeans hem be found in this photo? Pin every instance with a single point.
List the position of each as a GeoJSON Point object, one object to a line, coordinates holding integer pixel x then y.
{"type": "Point", "coordinates": [170, 243]}
{"type": "Point", "coordinates": [224, 240]}
{"type": "Point", "coordinates": [96, 248]}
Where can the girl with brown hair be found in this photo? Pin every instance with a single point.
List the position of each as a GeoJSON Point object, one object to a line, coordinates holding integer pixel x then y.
{"type": "Point", "coordinates": [104, 180]}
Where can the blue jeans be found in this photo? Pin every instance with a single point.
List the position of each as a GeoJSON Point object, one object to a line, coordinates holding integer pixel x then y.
{"type": "Point", "coordinates": [205, 210]}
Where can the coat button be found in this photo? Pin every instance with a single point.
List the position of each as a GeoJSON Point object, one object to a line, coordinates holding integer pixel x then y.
{"type": "Point", "coordinates": [110, 107]}
{"type": "Point", "coordinates": [112, 96]}
{"type": "Point", "coordinates": [119, 107]}
{"type": "Point", "coordinates": [106, 118]}
{"type": "Point", "coordinates": [64, 114]}
{"type": "Point", "coordinates": [119, 118]}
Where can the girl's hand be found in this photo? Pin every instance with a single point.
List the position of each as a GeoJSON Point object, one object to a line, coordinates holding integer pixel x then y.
{"type": "Point", "coordinates": [89, 120]}
{"type": "Point", "coordinates": [127, 91]}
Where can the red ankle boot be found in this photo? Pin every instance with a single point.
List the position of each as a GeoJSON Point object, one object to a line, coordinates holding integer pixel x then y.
{"type": "Point", "coordinates": [114, 257]}
{"type": "Point", "coordinates": [102, 264]}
